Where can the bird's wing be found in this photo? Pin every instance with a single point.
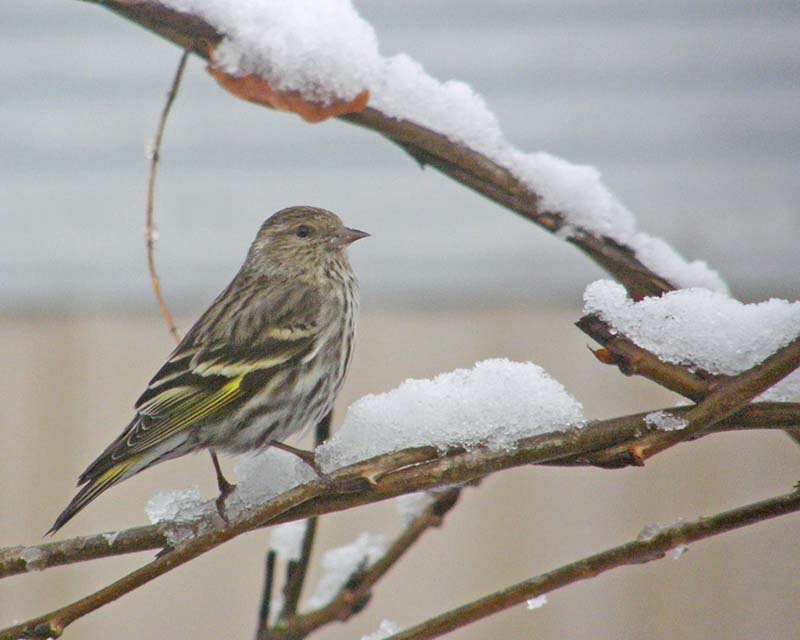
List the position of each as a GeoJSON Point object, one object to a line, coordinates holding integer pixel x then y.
{"type": "Point", "coordinates": [202, 380]}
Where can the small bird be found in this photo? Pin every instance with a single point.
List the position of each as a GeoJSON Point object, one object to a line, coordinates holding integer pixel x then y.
{"type": "Point", "coordinates": [264, 361]}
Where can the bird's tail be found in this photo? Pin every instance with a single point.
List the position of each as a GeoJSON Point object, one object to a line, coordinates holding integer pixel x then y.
{"type": "Point", "coordinates": [94, 487]}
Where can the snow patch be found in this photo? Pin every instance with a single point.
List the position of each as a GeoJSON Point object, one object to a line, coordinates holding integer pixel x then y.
{"type": "Point", "coordinates": [287, 539]}
{"type": "Point", "coordinates": [411, 505]}
{"type": "Point", "coordinates": [665, 421]}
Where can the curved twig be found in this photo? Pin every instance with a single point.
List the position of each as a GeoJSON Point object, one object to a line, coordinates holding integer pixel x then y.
{"type": "Point", "coordinates": [150, 229]}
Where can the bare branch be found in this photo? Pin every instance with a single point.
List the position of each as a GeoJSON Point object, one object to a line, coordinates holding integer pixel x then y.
{"type": "Point", "coordinates": [638, 551]}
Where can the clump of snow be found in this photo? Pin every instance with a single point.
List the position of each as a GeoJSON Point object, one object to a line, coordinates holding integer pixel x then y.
{"type": "Point", "coordinates": [411, 505]}
{"type": "Point", "coordinates": [264, 475]}
{"type": "Point", "coordinates": [496, 403]}
{"type": "Point", "coordinates": [404, 90]}
{"type": "Point", "coordinates": [666, 262]}
{"type": "Point", "coordinates": [326, 51]}
{"type": "Point", "coordinates": [537, 602]}
{"type": "Point", "coordinates": [386, 629]}
{"type": "Point", "coordinates": [665, 421]}
{"type": "Point", "coordinates": [678, 552]}
{"type": "Point", "coordinates": [574, 189]}
{"type": "Point", "coordinates": [322, 49]}
{"type": "Point", "coordinates": [702, 329]}
{"type": "Point", "coordinates": [287, 539]}
{"type": "Point", "coordinates": [175, 506]}
{"type": "Point", "coordinates": [34, 559]}
{"type": "Point", "coordinates": [341, 563]}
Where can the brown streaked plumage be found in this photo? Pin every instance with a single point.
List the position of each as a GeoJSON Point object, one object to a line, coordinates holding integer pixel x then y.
{"type": "Point", "coordinates": [264, 361]}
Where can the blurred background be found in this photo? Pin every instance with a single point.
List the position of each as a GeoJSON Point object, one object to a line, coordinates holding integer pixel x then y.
{"type": "Point", "coordinates": [690, 109]}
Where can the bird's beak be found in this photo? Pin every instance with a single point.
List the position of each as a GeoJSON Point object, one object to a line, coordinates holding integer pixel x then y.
{"type": "Point", "coordinates": [345, 236]}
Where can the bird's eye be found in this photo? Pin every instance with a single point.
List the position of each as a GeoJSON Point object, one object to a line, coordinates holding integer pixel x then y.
{"type": "Point", "coordinates": [303, 231]}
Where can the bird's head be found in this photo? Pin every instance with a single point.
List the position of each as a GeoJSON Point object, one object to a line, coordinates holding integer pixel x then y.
{"type": "Point", "coordinates": [301, 239]}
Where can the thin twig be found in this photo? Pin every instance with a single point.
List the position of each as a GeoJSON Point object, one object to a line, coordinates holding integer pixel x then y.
{"type": "Point", "coordinates": [150, 229]}
{"type": "Point", "coordinates": [582, 447]}
{"type": "Point", "coordinates": [638, 551]}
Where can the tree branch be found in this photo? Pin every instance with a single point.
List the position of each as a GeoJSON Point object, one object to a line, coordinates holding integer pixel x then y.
{"type": "Point", "coordinates": [638, 551]}
{"type": "Point", "coordinates": [582, 447]}
{"type": "Point", "coordinates": [634, 360]}
{"type": "Point", "coordinates": [631, 359]}
{"type": "Point", "coordinates": [724, 400]}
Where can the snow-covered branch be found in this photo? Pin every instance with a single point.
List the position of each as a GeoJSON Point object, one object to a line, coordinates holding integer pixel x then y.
{"type": "Point", "coordinates": [444, 125]}
{"type": "Point", "coordinates": [581, 447]}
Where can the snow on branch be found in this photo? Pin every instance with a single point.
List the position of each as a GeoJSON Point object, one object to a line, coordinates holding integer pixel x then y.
{"type": "Point", "coordinates": [702, 330]}
{"type": "Point", "coordinates": [309, 55]}
{"type": "Point", "coordinates": [325, 51]}
{"type": "Point", "coordinates": [496, 403]}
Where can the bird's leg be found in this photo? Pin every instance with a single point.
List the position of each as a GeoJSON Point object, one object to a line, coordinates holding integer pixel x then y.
{"type": "Point", "coordinates": [225, 487]}
{"type": "Point", "coordinates": [306, 456]}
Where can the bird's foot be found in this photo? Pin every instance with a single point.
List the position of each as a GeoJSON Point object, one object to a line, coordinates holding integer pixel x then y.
{"type": "Point", "coordinates": [224, 492]}
{"type": "Point", "coordinates": [225, 488]}
{"type": "Point", "coordinates": [306, 456]}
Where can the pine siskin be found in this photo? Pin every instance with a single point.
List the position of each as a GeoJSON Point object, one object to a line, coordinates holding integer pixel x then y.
{"type": "Point", "coordinates": [264, 361]}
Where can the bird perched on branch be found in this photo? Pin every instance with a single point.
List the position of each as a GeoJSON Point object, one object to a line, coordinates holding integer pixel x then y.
{"type": "Point", "coordinates": [264, 361]}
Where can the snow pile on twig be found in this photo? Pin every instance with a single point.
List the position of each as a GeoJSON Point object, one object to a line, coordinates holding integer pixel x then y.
{"type": "Point", "coordinates": [325, 51]}
{"type": "Point", "coordinates": [341, 563]}
{"type": "Point", "coordinates": [496, 403]}
{"type": "Point", "coordinates": [702, 329]}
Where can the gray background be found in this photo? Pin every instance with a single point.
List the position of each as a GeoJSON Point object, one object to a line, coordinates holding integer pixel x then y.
{"type": "Point", "coordinates": [689, 108]}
